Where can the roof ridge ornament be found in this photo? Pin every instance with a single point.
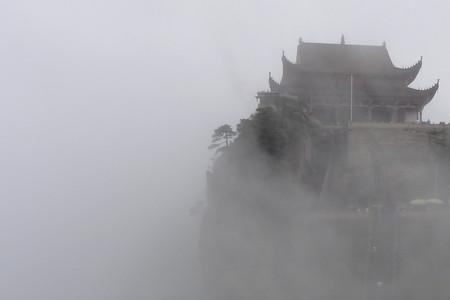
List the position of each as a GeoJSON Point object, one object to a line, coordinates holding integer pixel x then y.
{"type": "Point", "coordinates": [300, 40]}
{"type": "Point", "coordinates": [342, 39]}
{"type": "Point", "coordinates": [384, 44]}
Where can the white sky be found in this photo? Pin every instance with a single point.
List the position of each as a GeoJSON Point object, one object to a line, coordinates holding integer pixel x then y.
{"type": "Point", "coordinates": [107, 110]}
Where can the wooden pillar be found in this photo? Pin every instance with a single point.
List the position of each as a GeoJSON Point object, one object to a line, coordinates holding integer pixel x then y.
{"type": "Point", "coordinates": [394, 117]}
{"type": "Point", "coordinates": [336, 115]}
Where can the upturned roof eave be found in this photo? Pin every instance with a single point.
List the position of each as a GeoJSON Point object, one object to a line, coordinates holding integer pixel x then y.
{"type": "Point", "coordinates": [405, 75]}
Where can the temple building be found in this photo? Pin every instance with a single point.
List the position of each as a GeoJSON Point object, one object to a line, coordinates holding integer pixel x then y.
{"type": "Point", "coordinates": [342, 83]}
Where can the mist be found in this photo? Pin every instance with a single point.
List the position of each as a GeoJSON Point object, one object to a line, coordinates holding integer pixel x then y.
{"type": "Point", "coordinates": [108, 108]}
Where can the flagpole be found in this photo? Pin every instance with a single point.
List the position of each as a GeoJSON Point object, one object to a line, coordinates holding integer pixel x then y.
{"type": "Point", "coordinates": [351, 98]}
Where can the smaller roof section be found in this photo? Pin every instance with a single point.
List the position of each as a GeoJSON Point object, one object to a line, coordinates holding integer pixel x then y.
{"type": "Point", "coordinates": [274, 86]}
{"type": "Point", "coordinates": [344, 58]}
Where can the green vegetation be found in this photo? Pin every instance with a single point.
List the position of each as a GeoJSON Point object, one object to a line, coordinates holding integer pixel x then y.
{"type": "Point", "coordinates": [221, 137]}
{"type": "Point", "coordinates": [273, 135]}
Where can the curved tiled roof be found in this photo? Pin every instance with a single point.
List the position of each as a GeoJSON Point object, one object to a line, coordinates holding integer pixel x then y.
{"type": "Point", "coordinates": [274, 86]}
{"type": "Point", "coordinates": [351, 59]}
{"type": "Point", "coordinates": [326, 69]}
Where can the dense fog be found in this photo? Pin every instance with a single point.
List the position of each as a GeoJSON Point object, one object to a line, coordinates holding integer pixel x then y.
{"type": "Point", "coordinates": [108, 108]}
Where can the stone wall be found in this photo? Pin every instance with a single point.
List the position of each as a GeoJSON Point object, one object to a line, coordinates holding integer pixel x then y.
{"type": "Point", "coordinates": [390, 164]}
